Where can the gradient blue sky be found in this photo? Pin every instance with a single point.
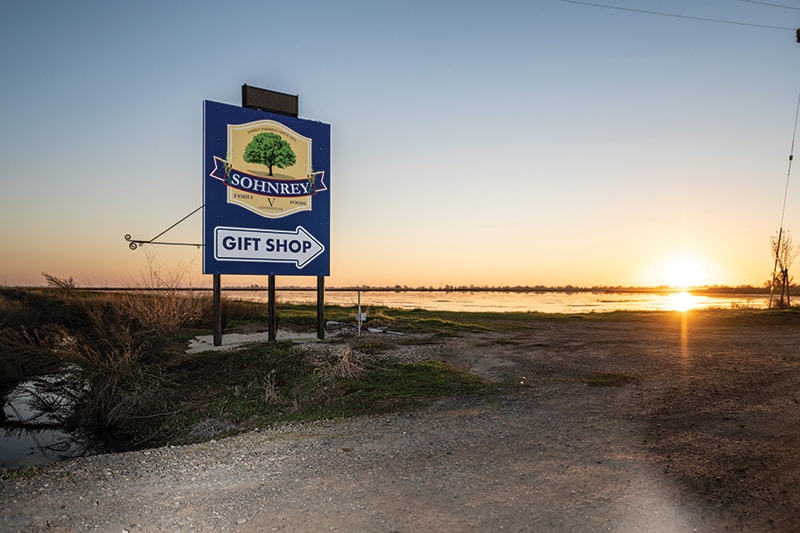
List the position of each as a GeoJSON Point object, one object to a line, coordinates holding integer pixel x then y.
{"type": "Point", "coordinates": [487, 143]}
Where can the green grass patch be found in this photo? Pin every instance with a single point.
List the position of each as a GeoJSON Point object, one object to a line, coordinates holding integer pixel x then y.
{"type": "Point", "coordinates": [399, 388]}
{"type": "Point", "coordinates": [222, 393]}
{"type": "Point", "coordinates": [22, 473]}
{"type": "Point", "coordinates": [447, 323]}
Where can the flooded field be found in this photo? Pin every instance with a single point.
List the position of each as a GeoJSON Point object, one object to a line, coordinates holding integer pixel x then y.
{"type": "Point", "coordinates": [502, 301]}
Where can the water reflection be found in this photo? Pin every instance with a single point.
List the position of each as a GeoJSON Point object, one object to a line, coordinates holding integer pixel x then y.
{"type": "Point", "coordinates": [500, 301]}
{"type": "Point", "coordinates": [34, 415]}
{"type": "Point", "coordinates": [682, 301]}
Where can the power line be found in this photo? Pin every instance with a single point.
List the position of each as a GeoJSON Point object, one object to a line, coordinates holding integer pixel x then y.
{"type": "Point", "coordinates": [770, 4]}
{"type": "Point", "coordinates": [674, 15]}
{"type": "Point", "coordinates": [779, 243]}
{"type": "Point", "coordinates": [791, 157]}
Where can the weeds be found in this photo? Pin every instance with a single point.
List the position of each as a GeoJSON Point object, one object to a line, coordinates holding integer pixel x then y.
{"type": "Point", "coordinates": [161, 305]}
{"type": "Point", "coordinates": [271, 393]}
{"type": "Point", "coordinates": [137, 385]}
{"type": "Point", "coordinates": [344, 364]}
{"type": "Point", "coordinates": [60, 283]}
{"type": "Point", "coordinates": [111, 338]}
{"type": "Point", "coordinates": [120, 382]}
{"type": "Point", "coordinates": [26, 353]}
{"type": "Point", "coordinates": [23, 473]}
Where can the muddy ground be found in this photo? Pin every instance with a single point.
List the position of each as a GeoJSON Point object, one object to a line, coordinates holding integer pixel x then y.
{"type": "Point", "coordinates": [622, 422]}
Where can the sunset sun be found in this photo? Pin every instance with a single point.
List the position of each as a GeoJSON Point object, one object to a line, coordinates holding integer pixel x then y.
{"type": "Point", "coordinates": [683, 272]}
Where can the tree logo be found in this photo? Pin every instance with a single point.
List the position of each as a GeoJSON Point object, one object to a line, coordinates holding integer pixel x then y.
{"type": "Point", "coordinates": [271, 150]}
{"type": "Point", "coordinates": [268, 169]}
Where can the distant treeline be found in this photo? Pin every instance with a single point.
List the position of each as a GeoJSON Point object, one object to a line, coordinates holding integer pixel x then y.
{"type": "Point", "coordinates": [716, 290]}
{"type": "Point", "coordinates": [710, 290]}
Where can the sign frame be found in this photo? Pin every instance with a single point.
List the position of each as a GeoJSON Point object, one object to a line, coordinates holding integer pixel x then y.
{"type": "Point", "coordinates": [275, 208]}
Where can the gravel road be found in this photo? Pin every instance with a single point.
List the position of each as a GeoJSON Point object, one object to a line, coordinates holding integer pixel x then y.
{"type": "Point", "coordinates": [703, 438]}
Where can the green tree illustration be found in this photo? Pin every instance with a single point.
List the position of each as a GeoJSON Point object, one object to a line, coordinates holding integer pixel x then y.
{"type": "Point", "coordinates": [270, 150]}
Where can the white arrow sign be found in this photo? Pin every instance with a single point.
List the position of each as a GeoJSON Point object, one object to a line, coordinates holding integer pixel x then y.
{"type": "Point", "coordinates": [266, 246]}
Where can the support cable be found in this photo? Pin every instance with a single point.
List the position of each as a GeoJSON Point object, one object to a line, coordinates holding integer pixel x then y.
{"type": "Point", "coordinates": [135, 243]}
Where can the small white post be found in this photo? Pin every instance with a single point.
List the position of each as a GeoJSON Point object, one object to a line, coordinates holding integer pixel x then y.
{"type": "Point", "coordinates": [358, 315]}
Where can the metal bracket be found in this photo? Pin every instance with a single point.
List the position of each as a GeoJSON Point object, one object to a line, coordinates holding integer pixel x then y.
{"type": "Point", "coordinates": [135, 243]}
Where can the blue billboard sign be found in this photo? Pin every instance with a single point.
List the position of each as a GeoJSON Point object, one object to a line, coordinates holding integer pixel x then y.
{"type": "Point", "coordinates": [266, 192]}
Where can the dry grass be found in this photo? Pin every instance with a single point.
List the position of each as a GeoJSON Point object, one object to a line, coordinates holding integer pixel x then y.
{"type": "Point", "coordinates": [60, 283]}
{"type": "Point", "coordinates": [26, 352]}
{"type": "Point", "coordinates": [159, 304]}
{"type": "Point", "coordinates": [343, 364]}
{"type": "Point", "coordinates": [110, 337]}
{"type": "Point", "coordinates": [271, 392]}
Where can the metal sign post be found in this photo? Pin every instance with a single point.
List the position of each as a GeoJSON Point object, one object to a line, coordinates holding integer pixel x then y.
{"type": "Point", "coordinates": [320, 307]}
{"type": "Point", "coordinates": [217, 310]}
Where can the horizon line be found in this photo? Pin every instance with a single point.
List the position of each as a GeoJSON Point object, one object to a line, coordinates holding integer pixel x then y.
{"type": "Point", "coordinates": [447, 288]}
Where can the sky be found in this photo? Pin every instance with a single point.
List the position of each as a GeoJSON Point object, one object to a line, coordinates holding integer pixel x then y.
{"type": "Point", "coordinates": [502, 143]}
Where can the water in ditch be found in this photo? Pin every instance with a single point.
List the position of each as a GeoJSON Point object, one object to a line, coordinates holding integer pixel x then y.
{"type": "Point", "coordinates": [33, 420]}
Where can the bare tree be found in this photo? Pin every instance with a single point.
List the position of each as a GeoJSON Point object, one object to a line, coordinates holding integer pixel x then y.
{"type": "Point", "coordinates": [784, 253]}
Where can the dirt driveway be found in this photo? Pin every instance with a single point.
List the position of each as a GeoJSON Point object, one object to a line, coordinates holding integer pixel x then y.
{"type": "Point", "coordinates": [645, 422]}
